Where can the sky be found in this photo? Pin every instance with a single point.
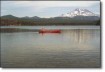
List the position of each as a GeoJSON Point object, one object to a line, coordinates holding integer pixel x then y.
{"type": "Point", "coordinates": [46, 8]}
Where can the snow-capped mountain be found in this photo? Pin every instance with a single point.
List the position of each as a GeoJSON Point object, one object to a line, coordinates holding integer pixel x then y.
{"type": "Point", "coordinates": [78, 12]}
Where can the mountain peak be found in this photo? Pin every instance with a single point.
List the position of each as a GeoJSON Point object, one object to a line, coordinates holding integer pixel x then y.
{"type": "Point", "coordinates": [78, 9]}
{"type": "Point", "coordinates": [78, 12]}
{"type": "Point", "coordinates": [9, 16]}
{"type": "Point", "coordinates": [35, 17]}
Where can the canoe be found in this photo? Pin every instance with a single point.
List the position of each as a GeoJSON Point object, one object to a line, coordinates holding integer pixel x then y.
{"type": "Point", "coordinates": [49, 31]}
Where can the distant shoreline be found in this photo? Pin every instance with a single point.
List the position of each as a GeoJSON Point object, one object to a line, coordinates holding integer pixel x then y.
{"type": "Point", "coordinates": [13, 29]}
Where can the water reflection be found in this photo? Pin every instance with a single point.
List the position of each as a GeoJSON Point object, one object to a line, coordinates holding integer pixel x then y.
{"type": "Point", "coordinates": [71, 48]}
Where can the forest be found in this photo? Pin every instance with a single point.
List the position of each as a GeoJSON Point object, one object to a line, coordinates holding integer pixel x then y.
{"type": "Point", "coordinates": [14, 21]}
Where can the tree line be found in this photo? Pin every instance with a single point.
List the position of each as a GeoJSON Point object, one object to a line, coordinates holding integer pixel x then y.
{"type": "Point", "coordinates": [51, 21]}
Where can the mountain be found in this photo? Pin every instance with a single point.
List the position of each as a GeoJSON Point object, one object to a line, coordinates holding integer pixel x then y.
{"type": "Point", "coordinates": [26, 17]}
{"type": "Point", "coordinates": [34, 17]}
{"type": "Point", "coordinates": [76, 17]}
{"type": "Point", "coordinates": [9, 17]}
{"type": "Point", "coordinates": [14, 17]}
{"type": "Point", "coordinates": [78, 12]}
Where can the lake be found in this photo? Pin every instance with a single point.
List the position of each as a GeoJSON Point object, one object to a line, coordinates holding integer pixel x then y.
{"type": "Point", "coordinates": [74, 47]}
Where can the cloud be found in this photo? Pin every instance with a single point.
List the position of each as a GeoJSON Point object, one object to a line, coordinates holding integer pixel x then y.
{"type": "Point", "coordinates": [46, 4]}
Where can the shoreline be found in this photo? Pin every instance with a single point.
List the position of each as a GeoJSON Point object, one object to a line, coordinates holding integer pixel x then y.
{"type": "Point", "coordinates": [12, 30]}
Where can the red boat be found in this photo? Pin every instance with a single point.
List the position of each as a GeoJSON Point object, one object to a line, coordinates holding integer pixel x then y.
{"type": "Point", "coordinates": [49, 31]}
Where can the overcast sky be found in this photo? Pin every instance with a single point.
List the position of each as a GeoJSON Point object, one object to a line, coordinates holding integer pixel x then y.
{"type": "Point", "coordinates": [46, 8]}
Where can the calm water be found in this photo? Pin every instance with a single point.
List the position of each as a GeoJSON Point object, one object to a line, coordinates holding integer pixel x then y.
{"type": "Point", "coordinates": [71, 48]}
{"type": "Point", "coordinates": [53, 27]}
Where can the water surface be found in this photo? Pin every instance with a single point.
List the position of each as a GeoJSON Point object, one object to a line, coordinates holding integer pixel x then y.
{"type": "Point", "coordinates": [71, 48]}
